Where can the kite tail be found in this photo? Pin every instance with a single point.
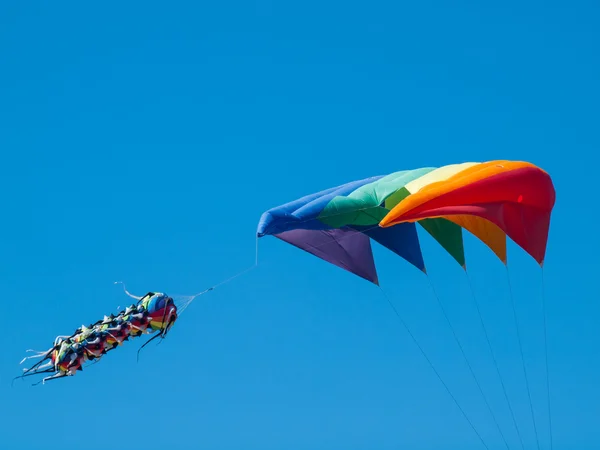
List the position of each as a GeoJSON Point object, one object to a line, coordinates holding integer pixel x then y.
{"type": "Point", "coordinates": [154, 312]}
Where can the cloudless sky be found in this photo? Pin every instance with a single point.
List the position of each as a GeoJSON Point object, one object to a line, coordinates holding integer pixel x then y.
{"type": "Point", "coordinates": [141, 141]}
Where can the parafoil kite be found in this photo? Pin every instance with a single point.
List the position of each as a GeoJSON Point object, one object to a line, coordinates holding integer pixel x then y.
{"type": "Point", "coordinates": [154, 312]}
{"type": "Point", "coordinates": [492, 200]}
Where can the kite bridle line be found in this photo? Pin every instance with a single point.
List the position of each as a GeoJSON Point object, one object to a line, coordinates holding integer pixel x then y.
{"type": "Point", "coordinates": [545, 343]}
{"type": "Point", "coordinates": [489, 344]}
{"type": "Point", "coordinates": [416, 342]}
{"type": "Point", "coordinates": [462, 350]}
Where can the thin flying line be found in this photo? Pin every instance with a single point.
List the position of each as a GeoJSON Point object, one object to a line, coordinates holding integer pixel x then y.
{"type": "Point", "coordinates": [546, 351]}
{"type": "Point", "coordinates": [256, 255]}
{"type": "Point", "coordinates": [239, 274]}
{"type": "Point", "coordinates": [522, 357]}
{"type": "Point", "coordinates": [466, 360]}
{"type": "Point", "coordinates": [545, 337]}
{"type": "Point", "coordinates": [487, 338]}
{"type": "Point", "coordinates": [191, 298]}
{"type": "Point", "coordinates": [433, 367]}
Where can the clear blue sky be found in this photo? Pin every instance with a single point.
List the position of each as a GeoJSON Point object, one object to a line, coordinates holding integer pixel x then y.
{"type": "Point", "coordinates": [141, 142]}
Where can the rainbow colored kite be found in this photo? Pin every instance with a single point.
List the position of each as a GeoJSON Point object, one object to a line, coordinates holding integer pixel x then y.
{"type": "Point", "coordinates": [491, 200]}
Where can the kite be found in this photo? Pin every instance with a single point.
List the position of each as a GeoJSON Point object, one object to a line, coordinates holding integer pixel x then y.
{"type": "Point", "coordinates": [153, 313]}
{"type": "Point", "coordinates": [492, 200]}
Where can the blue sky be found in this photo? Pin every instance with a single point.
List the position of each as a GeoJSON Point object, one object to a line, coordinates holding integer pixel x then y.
{"type": "Point", "coordinates": [141, 142]}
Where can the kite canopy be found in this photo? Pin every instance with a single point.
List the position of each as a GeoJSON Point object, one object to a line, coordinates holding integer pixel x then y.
{"type": "Point", "coordinates": [491, 200]}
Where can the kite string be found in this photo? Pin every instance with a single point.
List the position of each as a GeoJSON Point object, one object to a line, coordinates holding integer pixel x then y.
{"type": "Point", "coordinates": [416, 342]}
{"type": "Point", "coordinates": [487, 338]}
{"type": "Point", "coordinates": [514, 308]}
{"type": "Point", "coordinates": [546, 351]}
{"type": "Point", "coordinates": [466, 359]}
{"type": "Point", "coordinates": [545, 336]}
{"type": "Point", "coordinates": [184, 306]}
